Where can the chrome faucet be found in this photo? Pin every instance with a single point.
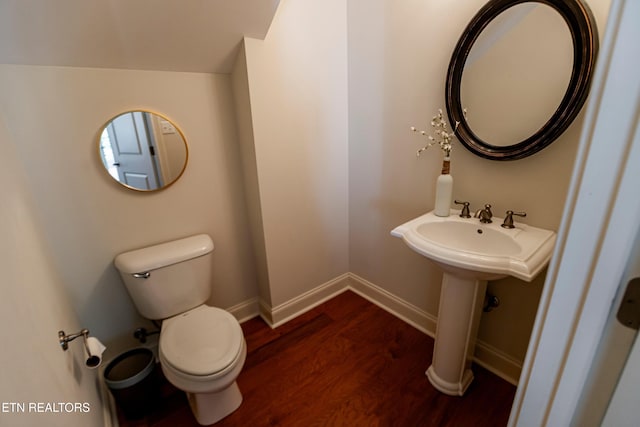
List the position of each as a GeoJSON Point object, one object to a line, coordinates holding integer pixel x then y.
{"type": "Point", "coordinates": [485, 214]}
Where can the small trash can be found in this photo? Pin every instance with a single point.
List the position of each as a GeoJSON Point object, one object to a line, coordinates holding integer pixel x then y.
{"type": "Point", "coordinates": [130, 379]}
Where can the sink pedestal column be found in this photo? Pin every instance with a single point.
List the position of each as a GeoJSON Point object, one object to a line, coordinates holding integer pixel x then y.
{"type": "Point", "coordinates": [461, 302]}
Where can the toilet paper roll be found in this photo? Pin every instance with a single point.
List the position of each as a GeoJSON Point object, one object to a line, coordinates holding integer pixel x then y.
{"type": "Point", "coordinates": [93, 350]}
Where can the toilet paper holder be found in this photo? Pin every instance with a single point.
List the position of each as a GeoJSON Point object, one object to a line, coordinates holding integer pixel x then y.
{"type": "Point", "coordinates": [65, 339]}
{"type": "Point", "coordinates": [93, 348]}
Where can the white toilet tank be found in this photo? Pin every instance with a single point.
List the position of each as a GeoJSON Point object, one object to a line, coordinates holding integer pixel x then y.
{"type": "Point", "coordinates": [170, 278]}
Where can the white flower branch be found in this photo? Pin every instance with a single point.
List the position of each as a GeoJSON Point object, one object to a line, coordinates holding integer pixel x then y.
{"type": "Point", "coordinates": [442, 136]}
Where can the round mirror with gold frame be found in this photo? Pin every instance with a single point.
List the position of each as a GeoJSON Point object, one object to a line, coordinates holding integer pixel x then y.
{"type": "Point", "coordinates": [143, 150]}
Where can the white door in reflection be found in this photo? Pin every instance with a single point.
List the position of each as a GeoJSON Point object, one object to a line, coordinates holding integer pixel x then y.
{"type": "Point", "coordinates": [129, 151]}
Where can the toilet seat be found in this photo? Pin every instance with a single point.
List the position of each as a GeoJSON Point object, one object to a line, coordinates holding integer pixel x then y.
{"type": "Point", "coordinates": [204, 341]}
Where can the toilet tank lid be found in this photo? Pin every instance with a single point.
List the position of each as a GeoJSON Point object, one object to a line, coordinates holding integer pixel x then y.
{"type": "Point", "coordinates": [164, 254]}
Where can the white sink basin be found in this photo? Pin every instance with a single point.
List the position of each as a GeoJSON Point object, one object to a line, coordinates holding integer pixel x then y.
{"type": "Point", "coordinates": [470, 253]}
{"type": "Point", "coordinates": [466, 247]}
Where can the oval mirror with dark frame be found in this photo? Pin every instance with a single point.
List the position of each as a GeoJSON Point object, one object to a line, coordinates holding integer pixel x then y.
{"type": "Point", "coordinates": [562, 92]}
{"type": "Point", "coordinates": [143, 150]}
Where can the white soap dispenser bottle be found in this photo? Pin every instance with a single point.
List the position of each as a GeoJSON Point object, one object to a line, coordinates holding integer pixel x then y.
{"type": "Point", "coordinates": [444, 189]}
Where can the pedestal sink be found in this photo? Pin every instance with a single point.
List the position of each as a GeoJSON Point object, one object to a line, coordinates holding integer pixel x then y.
{"type": "Point", "coordinates": [470, 253]}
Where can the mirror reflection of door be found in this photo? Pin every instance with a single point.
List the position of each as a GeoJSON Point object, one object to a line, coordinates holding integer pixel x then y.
{"type": "Point", "coordinates": [129, 151]}
{"type": "Point", "coordinates": [142, 150]}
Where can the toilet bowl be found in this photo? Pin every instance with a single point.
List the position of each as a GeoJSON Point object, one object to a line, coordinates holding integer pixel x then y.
{"type": "Point", "coordinates": [202, 352]}
{"type": "Point", "coordinates": [202, 348]}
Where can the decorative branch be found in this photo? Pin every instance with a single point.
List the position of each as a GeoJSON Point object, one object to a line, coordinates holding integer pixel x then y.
{"type": "Point", "coordinates": [442, 137]}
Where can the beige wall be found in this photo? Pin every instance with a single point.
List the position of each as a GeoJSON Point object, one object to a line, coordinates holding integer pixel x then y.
{"type": "Point", "coordinates": [297, 86]}
{"type": "Point", "coordinates": [53, 114]}
{"type": "Point", "coordinates": [240, 84]}
{"type": "Point", "coordinates": [33, 307]}
{"type": "Point", "coordinates": [328, 165]}
{"type": "Point", "coordinates": [398, 57]}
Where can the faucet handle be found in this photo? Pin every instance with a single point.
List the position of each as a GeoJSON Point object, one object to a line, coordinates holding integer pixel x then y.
{"type": "Point", "coordinates": [465, 209]}
{"type": "Point", "coordinates": [508, 219]}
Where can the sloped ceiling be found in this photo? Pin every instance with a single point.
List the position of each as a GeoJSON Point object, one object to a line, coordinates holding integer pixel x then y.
{"type": "Point", "coordinates": [165, 35]}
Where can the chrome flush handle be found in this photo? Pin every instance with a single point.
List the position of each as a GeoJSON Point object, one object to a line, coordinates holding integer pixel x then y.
{"type": "Point", "coordinates": [144, 275]}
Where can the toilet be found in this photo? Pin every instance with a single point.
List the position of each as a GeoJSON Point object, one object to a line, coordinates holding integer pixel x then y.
{"type": "Point", "coordinates": [202, 349]}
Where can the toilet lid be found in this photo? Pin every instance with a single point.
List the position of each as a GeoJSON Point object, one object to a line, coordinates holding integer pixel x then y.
{"type": "Point", "coordinates": [202, 341]}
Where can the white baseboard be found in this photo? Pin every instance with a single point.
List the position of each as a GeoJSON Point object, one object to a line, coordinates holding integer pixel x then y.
{"type": "Point", "coordinates": [245, 310]}
{"type": "Point", "coordinates": [109, 413]}
{"type": "Point", "coordinates": [497, 362]}
{"type": "Point", "coordinates": [487, 356]}
{"type": "Point", "coordinates": [401, 309]}
{"type": "Point", "coordinates": [280, 314]}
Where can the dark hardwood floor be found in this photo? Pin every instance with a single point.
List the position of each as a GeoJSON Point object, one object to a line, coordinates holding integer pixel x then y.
{"type": "Point", "coordinates": [344, 363]}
